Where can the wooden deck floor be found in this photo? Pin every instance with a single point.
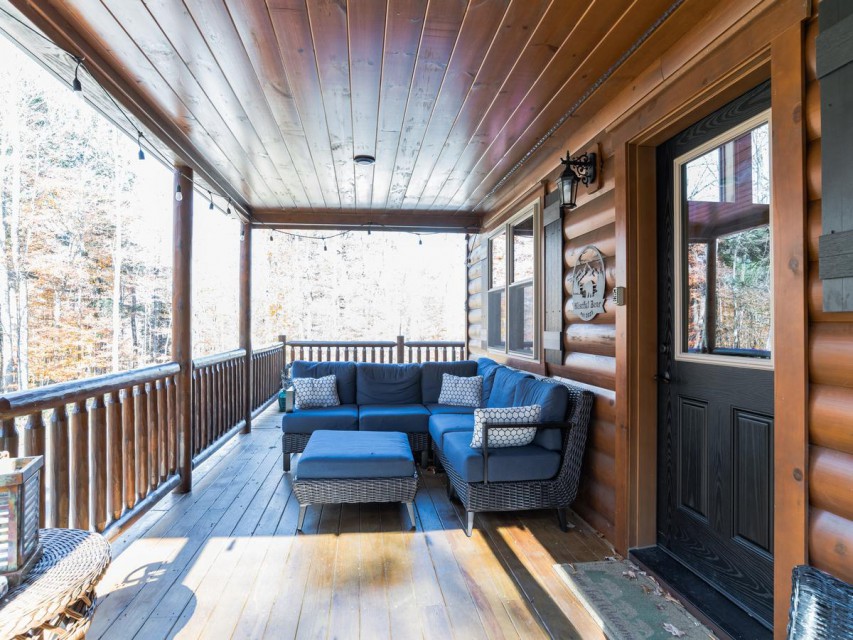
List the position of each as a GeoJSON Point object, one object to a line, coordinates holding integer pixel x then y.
{"type": "Point", "coordinates": [225, 562]}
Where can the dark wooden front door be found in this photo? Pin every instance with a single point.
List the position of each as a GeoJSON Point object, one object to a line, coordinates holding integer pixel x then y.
{"type": "Point", "coordinates": [715, 398]}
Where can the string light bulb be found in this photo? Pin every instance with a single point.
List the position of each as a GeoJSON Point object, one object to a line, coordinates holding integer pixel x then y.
{"type": "Point", "coordinates": [228, 209]}
{"type": "Point", "coordinates": [76, 85]}
{"type": "Point", "coordinates": [420, 240]}
{"type": "Point", "coordinates": [271, 238]}
{"type": "Point", "coordinates": [139, 142]}
{"type": "Point", "coordinates": [178, 195]}
{"type": "Point", "coordinates": [211, 200]}
{"type": "Point", "coordinates": [325, 248]}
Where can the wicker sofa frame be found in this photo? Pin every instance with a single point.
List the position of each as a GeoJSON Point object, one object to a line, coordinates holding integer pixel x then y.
{"type": "Point", "coordinates": [295, 443]}
{"type": "Point", "coordinates": [557, 493]}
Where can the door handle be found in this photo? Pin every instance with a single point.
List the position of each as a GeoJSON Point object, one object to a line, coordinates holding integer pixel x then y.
{"type": "Point", "coordinates": [663, 377]}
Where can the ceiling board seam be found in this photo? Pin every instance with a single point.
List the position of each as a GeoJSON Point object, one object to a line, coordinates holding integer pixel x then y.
{"type": "Point", "coordinates": [468, 92]}
{"type": "Point", "coordinates": [224, 153]}
{"type": "Point", "coordinates": [486, 111]}
{"type": "Point", "coordinates": [584, 97]}
{"type": "Point", "coordinates": [542, 74]}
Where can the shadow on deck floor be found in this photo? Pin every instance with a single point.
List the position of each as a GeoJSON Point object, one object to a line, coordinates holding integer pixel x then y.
{"type": "Point", "coordinates": [225, 562]}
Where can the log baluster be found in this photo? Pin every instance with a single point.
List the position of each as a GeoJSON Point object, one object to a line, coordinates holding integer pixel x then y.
{"type": "Point", "coordinates": [58, 467]}
{"type": "Point", "coordinates": [140, 401]}
{"type": "Point", "coordinates": [97, 464]}
{"type": "Point", "coordinates": [9, 440]}
{"type": "Point", "coordinates": [204, 412]}
{"type": "Point", "coordinates": [162, 431]}
{"type": "Point", "coordinates": [114, 459]}
{"type": "Point", "coordinates": [153, 436]}
{"type": "Point", "coordinates": [34, 445]}
{"type": "Point", "coordinates": [128, 445]}
{"type": "Point", "coordinates": [78, 465]}
{"type": "Point", "coordinates": [171, 425]}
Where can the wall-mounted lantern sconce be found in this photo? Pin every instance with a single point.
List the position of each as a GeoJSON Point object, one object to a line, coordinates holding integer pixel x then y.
{"type": "Point", "coordinates": [579, 169]}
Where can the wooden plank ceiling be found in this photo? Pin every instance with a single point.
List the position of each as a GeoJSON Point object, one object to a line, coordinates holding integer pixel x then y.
{"type": "Point", "coordinates": [278, 96]}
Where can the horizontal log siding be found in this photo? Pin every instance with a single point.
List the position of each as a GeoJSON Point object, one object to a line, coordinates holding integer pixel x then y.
{"type": "Point", "coordinates": [831, 378]}
{"type": "Point", "coordinates": [589, 347]}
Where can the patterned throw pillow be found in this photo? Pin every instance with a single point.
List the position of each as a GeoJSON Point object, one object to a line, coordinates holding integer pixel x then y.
{"type": "Point", "coordinates": [314, 393]}
{"type": "Point", "coordinates": [499, 438]}
{"type": "Point", "coordinates": [461, 391]}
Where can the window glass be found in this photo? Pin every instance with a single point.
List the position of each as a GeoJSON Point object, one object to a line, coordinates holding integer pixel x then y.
{"type": "Point", "coordinates": [522, 250]}
{"type": "Point", "coordinates": [726, 248]}
{"type": "Point", "coordinates": [521, 311]}
{"type": "Point", "coordinates": [498, 256]}
{"type": "Point", "coordinates": [497, 319]}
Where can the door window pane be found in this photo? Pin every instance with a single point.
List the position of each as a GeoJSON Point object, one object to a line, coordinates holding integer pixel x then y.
{"type": "Point", "coordinates": [522, 251]}
{"type": "Point", "coordinates": [497, 248]}
{"type": "Point", "coordinates": [521, 316]}
{"type": "Point", "coordinates": [726, 248]}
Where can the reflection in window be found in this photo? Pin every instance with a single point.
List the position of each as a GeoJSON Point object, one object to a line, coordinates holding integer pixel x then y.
{"type": "Point", "coordinates": [498, 257]}
{"type": "Point", "coordinates": [726, 248]}
{"type": "Point", "coordinates": [497, 318]}
{"type": "Point", "coordinates": [522, 251]}
{"type": "Point", "coordinates": [521, 318]}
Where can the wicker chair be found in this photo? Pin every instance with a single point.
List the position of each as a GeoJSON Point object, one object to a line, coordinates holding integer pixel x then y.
{"type": "Point", "coordinates": [821, 606]}
{"type": "Point", "coordinates": [556, 493]}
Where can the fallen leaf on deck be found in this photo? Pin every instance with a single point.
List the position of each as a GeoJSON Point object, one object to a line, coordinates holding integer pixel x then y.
{"type": "Point", "coordinates": [631, 575]}
{"type": "Point", "coordinates": [672, 629]}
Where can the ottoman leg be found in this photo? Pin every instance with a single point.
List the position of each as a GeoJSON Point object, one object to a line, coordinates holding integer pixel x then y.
{"type": "Point", "coordinates": [411, 509]}
{"type": "Point", "coordinates": [469, 529]}
{"type": "Point", "coordinates": [424, 459]}
{"type": "Point", "coordinates": [302, 509]}
{"type": "Point", "coordinates": [286, 462]}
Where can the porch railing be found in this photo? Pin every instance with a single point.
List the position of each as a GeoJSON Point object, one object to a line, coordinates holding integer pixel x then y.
{"type": "Point", "coordinates": [111, 443]}
{"type": "Point", "coordinates": [382, 351]}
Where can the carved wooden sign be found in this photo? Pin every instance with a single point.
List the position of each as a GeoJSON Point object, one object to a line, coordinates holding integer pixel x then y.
{"type": "Point", "coordinates": [588, 283]}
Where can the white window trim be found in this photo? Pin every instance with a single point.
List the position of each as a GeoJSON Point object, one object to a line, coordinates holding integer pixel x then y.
{"type": "Point", "coordinates": [533, 209]}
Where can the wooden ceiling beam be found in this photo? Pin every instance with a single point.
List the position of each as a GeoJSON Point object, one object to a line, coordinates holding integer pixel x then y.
{"type": "Point", "coordinates": [48, 20]}
{"type": "Point", "coordinates": [386, 220]}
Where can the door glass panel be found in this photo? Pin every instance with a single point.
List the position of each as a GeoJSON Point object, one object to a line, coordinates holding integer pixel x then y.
{"type": "Point", "coordinates": [497, 246]}
{"type": "Point", "coordinates": [725, 248]}
{"type": "Point", "coordinates": [522, 250]}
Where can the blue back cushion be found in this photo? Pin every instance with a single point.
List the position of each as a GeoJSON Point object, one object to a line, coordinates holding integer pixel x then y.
{"type": "Point", "coordinates": [554, 400]}
{"type": "Point", "coordinates": [487, 368]}
{"type": "Point", "coordinates": [432, 372]}
{"type": "Point", "coordinates": [388, 383]}
{"type": "Point", "coordinates": [344, 371]}
{"type": "Point", "coordinates": [503, 389]}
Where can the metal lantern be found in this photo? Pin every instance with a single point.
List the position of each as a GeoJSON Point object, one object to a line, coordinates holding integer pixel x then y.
{"type": "Point", "coordinates": [581, 169]}
{"type": "Point", "coordinates": [20, 547]}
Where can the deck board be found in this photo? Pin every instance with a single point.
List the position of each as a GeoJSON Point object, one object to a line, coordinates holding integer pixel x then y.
{"type": "Point", "coordinates": [225, 561]}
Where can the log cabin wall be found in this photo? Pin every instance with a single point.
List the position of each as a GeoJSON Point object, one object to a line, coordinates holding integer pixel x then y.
{"type": "Point", "coordinates": [830, 532]}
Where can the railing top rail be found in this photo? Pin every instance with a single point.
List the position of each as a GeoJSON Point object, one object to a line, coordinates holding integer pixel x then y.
{"type": "Point", "coordinates": [216, 358]}
{"type": "Point", "coordinates": [433, 343]}
{"type": "Point", "coordinates": [342, 343]}
{"type": "Point", "coordinates": [272, 347]}
{"type": "Point", "coordinates": [52, 395]}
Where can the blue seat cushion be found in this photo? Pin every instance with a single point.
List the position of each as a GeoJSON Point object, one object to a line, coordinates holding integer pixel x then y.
{"type": "Point", "coordinates": [356, 454]}
{"type": "Point", "coordinates": [388, 383]}
{"type": "Point", "coordinates": [487, 368]}
{"type": "Point", "coordinates": [432, 372]}
{"type": "Point", "coordinates": [341, 418]}
{"type": "Point", "coordinates": [553, 397]}
{"type": "Point", "coordinates": [409, 418]}
{"type": "Point", "coordinates": [503, 389]}
{"type": "Point", "coordinates": [509, 464]}
{"type": "Point", "coordinates": [344, 373]}
{"type": "Point", "coordinates": [435, 408]}
{"type": "Point", "coordinates": [442, 424]}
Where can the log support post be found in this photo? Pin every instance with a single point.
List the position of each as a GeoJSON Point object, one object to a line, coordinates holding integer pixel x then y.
{"type": "Point", "coordinates": [182, 241]}
{"type": "Point", "coordinates": [246, 320]}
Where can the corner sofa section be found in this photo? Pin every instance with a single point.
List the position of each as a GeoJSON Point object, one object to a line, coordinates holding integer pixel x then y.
{"type": "Point", "coordinates": [375, 397]}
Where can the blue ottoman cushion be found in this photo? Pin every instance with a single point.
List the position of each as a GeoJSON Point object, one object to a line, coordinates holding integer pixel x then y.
{"type": "Point", "coordinates": [356, 454]}
{"type": "Point", "coordinates": [409, 418]}
{"type": "Point", "coordinates": [341, 418]}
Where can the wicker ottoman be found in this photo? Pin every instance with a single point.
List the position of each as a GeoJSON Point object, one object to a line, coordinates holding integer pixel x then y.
{"type": "Point", "coordinates": [355, 466]}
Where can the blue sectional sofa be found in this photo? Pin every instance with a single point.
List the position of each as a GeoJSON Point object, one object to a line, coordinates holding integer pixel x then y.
{"type": "Point", "coordinates": [389, 397]}
{"type": "Point", "coordinates": [374, 397]}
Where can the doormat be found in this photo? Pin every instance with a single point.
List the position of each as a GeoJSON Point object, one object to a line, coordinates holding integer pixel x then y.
{"type": "Point", "coordinates": [629, 604]}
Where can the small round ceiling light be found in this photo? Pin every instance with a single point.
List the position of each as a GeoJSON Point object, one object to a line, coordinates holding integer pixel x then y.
{"type": "Point", "coordinates": [364, 160]}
